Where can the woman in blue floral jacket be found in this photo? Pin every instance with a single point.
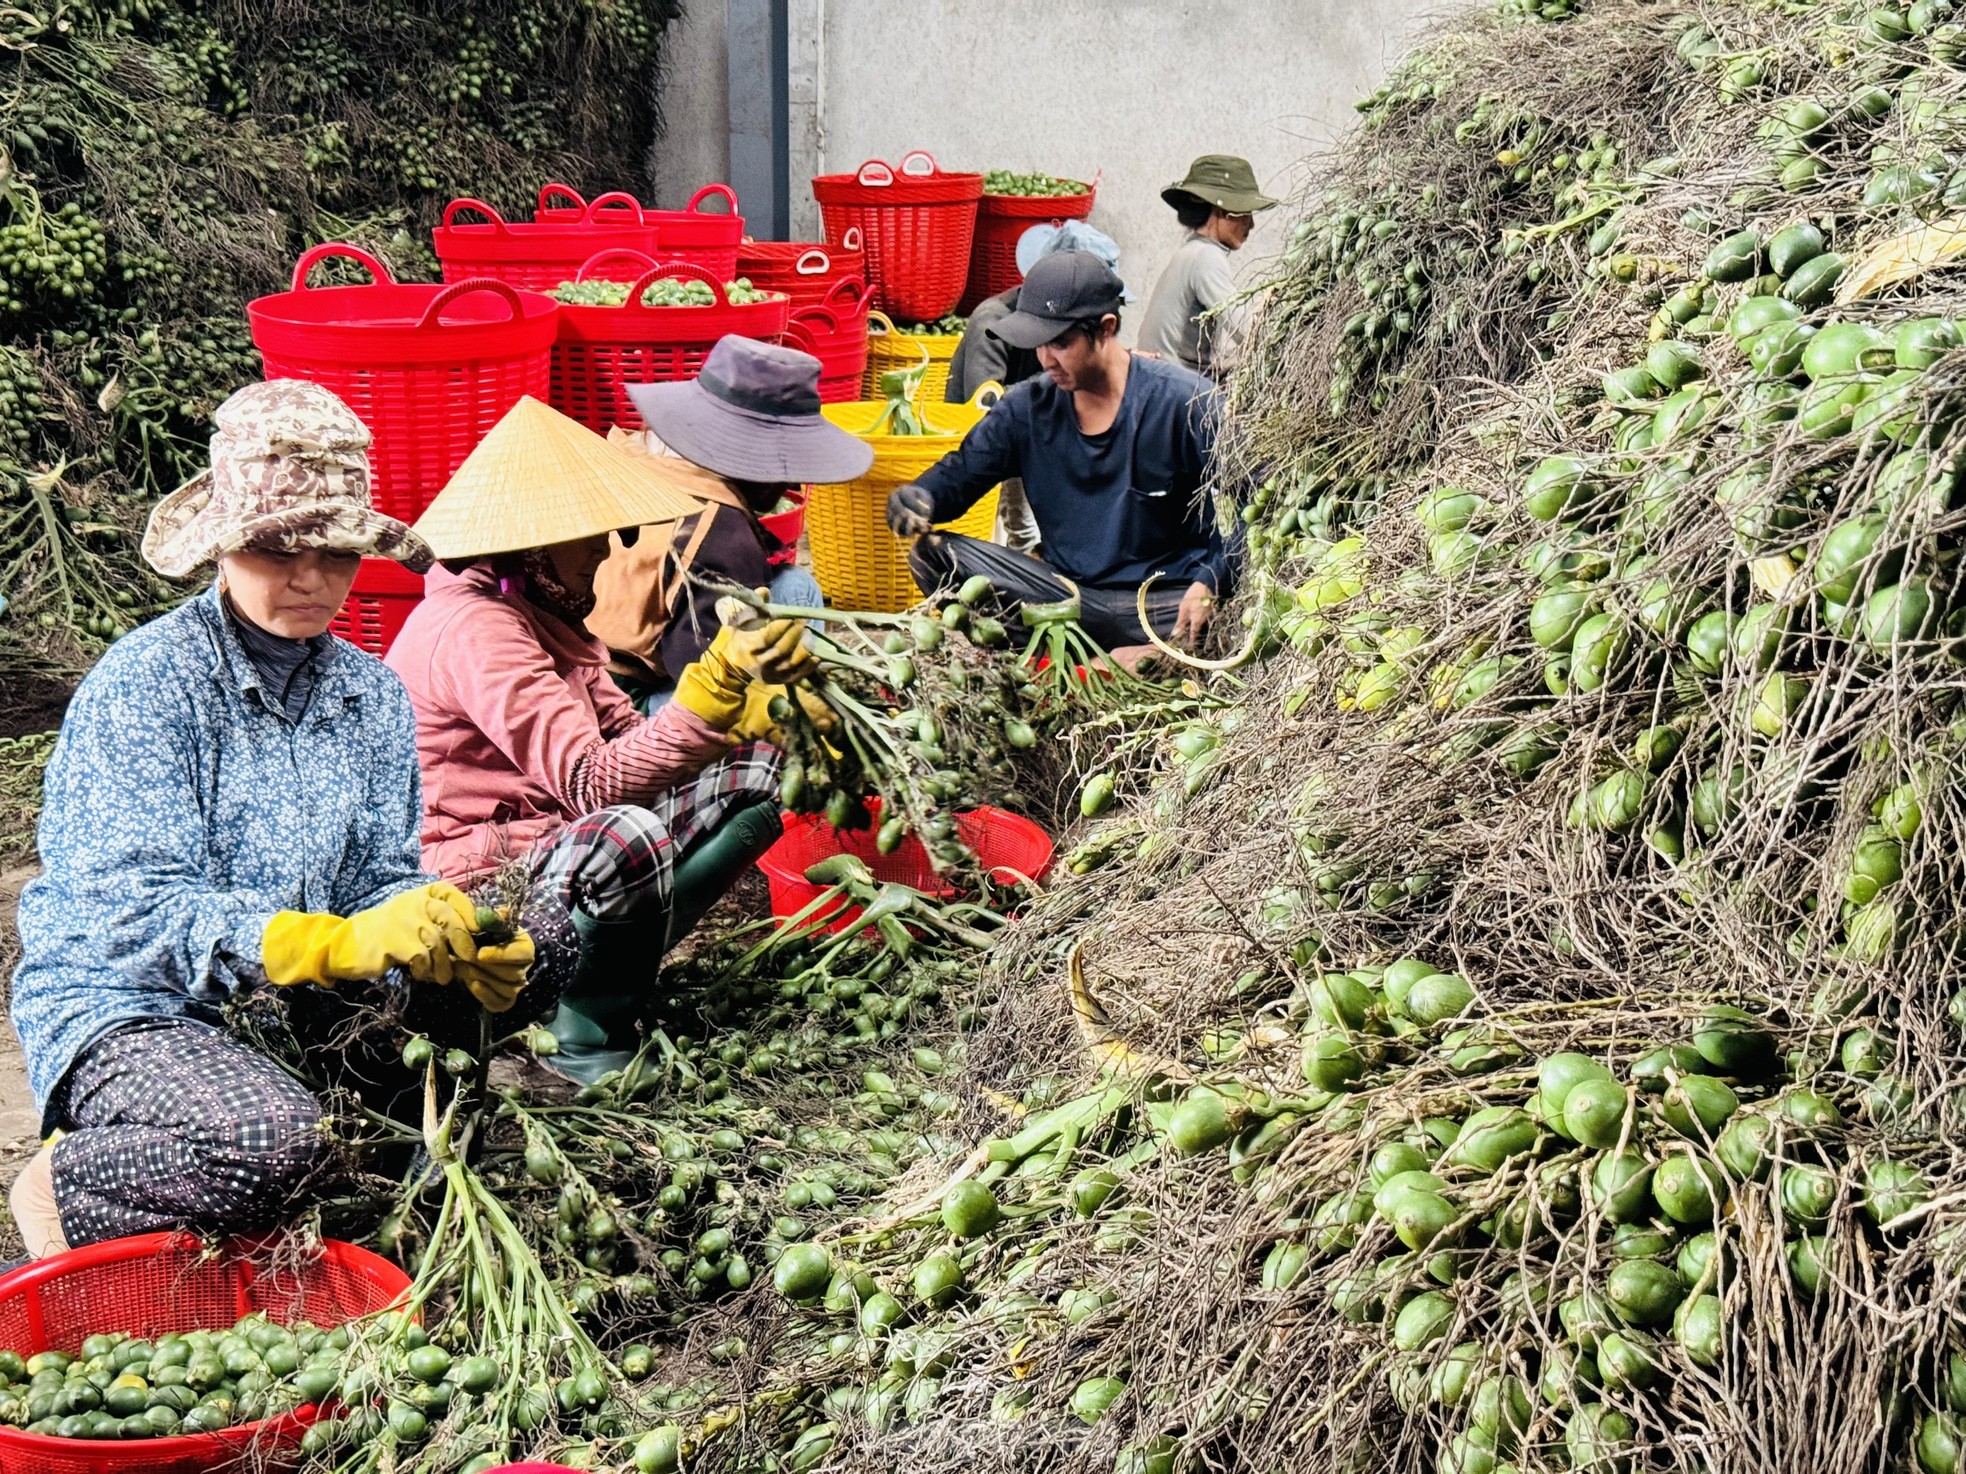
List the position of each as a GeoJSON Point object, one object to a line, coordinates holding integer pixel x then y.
{"type": "Point", "coordinates": [233, 803]}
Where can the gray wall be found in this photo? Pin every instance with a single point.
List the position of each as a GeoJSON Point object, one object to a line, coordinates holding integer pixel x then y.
{"type": "Point", "coordinates": [694, 148]}
{"type": "Point", "coordinates": [1130, 89]}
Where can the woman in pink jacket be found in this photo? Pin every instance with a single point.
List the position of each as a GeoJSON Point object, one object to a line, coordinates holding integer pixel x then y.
{"type": "Point", "coordinates": [627, 828]}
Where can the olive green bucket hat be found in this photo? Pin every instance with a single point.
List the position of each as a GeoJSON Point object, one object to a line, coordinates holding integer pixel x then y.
{"type": "Point", "coordinates": [1221, 180]}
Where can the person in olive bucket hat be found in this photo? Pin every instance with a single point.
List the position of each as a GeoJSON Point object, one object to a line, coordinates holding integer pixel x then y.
{"type": "Point", "coordinates": [233, 807]}
{"type": "Point", "coordinates": [1191, 318]}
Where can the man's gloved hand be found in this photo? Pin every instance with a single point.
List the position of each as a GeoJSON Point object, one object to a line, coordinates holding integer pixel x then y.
{"type": "Point", "coordinates": [496, 974]}
{"type": "Point", "coordinates": [910, 513]}
{"type": "Point", "coordinates": [716, 684]}
{"type": "Point", "coordinates": [423, 930]}
{"type": "Point", "coordinates": [755, 723]}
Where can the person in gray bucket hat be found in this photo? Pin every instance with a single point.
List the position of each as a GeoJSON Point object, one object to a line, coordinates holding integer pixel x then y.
{"type": "Point", "coordinates": [750, 425]}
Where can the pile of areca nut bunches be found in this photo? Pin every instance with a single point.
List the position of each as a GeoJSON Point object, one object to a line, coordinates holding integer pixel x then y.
{"type": "Point", "coordinates": [1644, 1171]}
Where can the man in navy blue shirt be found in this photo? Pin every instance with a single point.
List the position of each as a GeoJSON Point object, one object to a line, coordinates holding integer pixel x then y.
{"type": "Point", "coordinates": [1115, 452]}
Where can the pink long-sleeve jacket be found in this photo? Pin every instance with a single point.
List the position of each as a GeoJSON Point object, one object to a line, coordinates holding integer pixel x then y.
{"type": "Point", "coordinates": [519, 727]}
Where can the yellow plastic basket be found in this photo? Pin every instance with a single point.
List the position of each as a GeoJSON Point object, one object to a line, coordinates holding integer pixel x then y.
{"type": "Point", "coordinates": [858, 562]}
{"type": "Point", "coordinates": [888, 349]}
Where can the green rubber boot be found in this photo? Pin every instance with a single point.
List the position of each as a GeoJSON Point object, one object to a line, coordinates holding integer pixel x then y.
{"type": "Point", "coordinates": [619, 960]}
{"type": "Point", "coordinates": [714, 863]}
{"type": "Point", "coordinates": [595, 1023]}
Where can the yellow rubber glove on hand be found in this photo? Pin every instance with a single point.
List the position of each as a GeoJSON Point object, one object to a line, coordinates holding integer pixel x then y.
{"type": "Point", "coordinates": [496, 974]}
{"type": "Point", "coordinates": [423, 930]}
{"type": "Point", "coordinates": [755, 722]}
{"type": "Point", "coordinates": [716, 685]}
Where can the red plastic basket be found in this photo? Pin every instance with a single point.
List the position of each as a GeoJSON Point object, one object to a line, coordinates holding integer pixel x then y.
{"type": "Point", "coordinates": [429, 369]}
{"type": "Point", "coordinates": [788, 528]}
{"type": "Point", "coordinates": [162, 1282]}
{"type": "Point", "coordinates": [541, 253]}
{"type": "Point", "coordinates": [918, 225]}
{"type": "Point", "coordinates": [1011, 847]}
{"type": "Point", "coordinates": [805, 271]}
{"type": "Point", "coordinates": [603, 350]}
{"type": "Point", "coordinates": [706, 238]}
{"type": "Point", "coordinates": [380, 601]}
{"type": "Point", "coordinates": [1001, 221]}
{"type": "Point", "coordinates": [839, 341]}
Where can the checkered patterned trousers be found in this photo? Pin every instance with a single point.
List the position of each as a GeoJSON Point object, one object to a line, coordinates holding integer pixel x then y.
{"type": "Point", "coordinates": [172, 1123]}
{"type": "Point", "coordinates": [619, 863]}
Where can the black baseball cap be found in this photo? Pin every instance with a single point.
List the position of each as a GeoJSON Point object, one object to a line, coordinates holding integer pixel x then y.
{"type": "Point", "coordinates": [1063, 288]}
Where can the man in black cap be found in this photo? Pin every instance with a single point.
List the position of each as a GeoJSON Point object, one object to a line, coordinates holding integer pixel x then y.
{"type": "Point", "coordinates": [1115, 452]}
{"type": "Point", "coordinates": [1191, 317]}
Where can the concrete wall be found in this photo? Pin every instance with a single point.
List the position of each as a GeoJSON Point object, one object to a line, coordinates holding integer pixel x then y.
{"type": "Point", "coordinates": [1128, 89]}
{"type": "Point", "coordinates": [694, 147]}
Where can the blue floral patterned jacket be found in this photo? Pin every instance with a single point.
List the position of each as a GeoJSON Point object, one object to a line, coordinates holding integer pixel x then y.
{"type": "Point", "coordinates": [182, 810]}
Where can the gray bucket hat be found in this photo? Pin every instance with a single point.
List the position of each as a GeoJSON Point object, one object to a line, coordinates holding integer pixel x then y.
{"type": "Point", "coordinates": [289, 470]}
{"type": "Point", "coordinates": [753, 415]}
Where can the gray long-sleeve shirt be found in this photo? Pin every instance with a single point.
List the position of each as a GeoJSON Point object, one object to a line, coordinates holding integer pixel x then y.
{"type": "Point", "coordinates": [1198, 279]}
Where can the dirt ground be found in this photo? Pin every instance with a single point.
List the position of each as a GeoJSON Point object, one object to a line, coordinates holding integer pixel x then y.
{"type": "Point", "coordinates": [19, 1122]}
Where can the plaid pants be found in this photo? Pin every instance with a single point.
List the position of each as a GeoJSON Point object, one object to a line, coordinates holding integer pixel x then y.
{"type": "Point", "coordinates": [619, 863]}
{"type": "Point", "coordinates": [175, 1124]}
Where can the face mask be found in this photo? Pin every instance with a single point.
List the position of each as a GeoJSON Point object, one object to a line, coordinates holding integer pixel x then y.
{"type": "Point", "coordinates": [544, 588]}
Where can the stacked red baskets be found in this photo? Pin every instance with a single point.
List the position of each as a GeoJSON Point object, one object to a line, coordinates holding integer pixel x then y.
{"type": "Point", "coordinates": [602, 350]}
{"type": "Point", "coordinates": [804, 271]}
{"type": "Point", "coordinates": [541, 253]}
{"type": "Point", "coordinates": [1000, 224]}
{"type": "Point", "coordinates": [429, 369]}
{"type": "Point", "coordinates": [834, 331]}
{"type": "Point", "coordinates": [827, 287]}
{"type": "Point", "coordinates": [706, 238]}
{"type": "Point", "coordinates": [917, 225]}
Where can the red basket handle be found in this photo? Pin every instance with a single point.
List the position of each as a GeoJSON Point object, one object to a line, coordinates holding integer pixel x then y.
{"type": "Point", "coordinates": [821, 263]}
{"type": "Point", "coordinates": [875, 174]}
{"type": "Point", "coordinates": [331, 249]}
{"type": "Point", "coordinates": [811, 323]}
{"type": "Point", "coordinates": [555, 190]}
{"type": "Point", "coordinates": [849, 292]}
{"type": "Point", "coordinates": [614, 199]}
{"type": "Point", "coordinates": [643, 261]}
{"type": "Point", "coordinates": [729, 197]}
{"type": "Point", "coordinates": [914, 157]}
{"type": "Point", "coordinates": [458, 289]}
{"type": "Point", "coordinates": [851, 238]}
{"type": "Point", "coordinates": [687, 271]}
{"type": "Point", "coordinates": [491, 215]}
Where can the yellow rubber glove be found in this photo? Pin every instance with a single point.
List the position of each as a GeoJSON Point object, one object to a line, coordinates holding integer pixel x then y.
{"type": "Point", "coordinates": [755, 724]}
{"type": "Point", "coordinates": [423, 930]}
{"type": "Point", "coordinates": [496, 974]}
{"type": "Point", "coordinates": [716, 685]}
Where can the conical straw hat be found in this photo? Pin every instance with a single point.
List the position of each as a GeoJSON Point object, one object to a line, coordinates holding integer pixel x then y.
{"type": "Point", "coordinates": [540, 478]}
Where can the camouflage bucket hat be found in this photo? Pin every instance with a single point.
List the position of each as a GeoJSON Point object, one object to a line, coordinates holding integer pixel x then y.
{"type": "Point", "coordinates": [290, 470]}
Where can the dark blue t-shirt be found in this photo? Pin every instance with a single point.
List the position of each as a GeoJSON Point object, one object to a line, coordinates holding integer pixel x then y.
{"type": "Point", "coordinates": [1115, 508]}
